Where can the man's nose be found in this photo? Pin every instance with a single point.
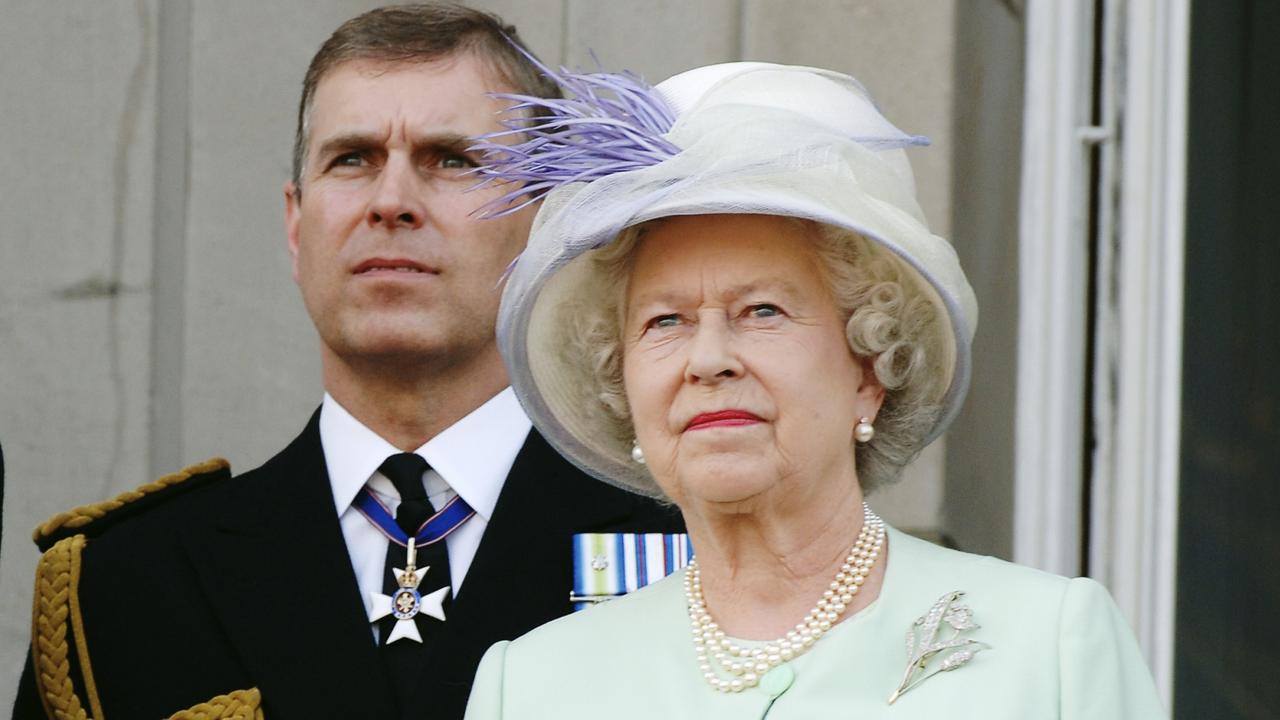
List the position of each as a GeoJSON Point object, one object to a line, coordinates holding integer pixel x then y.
{"type": "Point", "coordinates": [712, 356]}
{"type": "Point", "coordinates": [398, 197]}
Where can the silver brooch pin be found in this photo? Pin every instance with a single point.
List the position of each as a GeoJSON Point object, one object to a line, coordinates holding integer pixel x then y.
{"type": "Point", "coordinates": [924, 645]}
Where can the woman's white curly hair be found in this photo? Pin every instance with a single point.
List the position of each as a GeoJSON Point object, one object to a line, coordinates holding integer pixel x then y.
{"type": "Point", "coordinates": [892, 319]}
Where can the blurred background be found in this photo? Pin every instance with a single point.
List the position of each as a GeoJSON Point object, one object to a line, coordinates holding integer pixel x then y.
{"type": "Point", "coordinates": [1105, 169]}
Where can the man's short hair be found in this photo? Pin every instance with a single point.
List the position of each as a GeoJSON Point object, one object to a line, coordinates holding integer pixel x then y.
{"type": "Point", "coordinates": [420, 33]}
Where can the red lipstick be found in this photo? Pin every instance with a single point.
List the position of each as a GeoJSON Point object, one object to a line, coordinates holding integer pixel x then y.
{"type": "Point", "coordinates": [722, 418]}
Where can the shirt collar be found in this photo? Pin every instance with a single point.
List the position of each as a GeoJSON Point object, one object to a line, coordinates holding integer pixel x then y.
{"type": "Point", "coordinates": [474, 455]}
{"type": "Point", "coordinates": [352, 452]}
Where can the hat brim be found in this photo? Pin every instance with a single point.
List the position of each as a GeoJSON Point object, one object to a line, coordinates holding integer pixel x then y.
{"type": "Point", "coordinates": [818, 177]}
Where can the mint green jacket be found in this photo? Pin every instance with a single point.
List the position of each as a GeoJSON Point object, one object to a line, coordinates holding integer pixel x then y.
{"type": "Point", "coordinates": [1058, 648]}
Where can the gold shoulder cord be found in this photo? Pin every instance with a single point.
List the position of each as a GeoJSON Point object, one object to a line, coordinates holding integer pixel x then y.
{"type": "Point", "coordinates": [57, 605]}
{"type": "Point", "coordinates": [85, 514]}
{"type": "Point", "coordinates": [56, 602]}
{"type": "Point", "coordinates": [239, 705]}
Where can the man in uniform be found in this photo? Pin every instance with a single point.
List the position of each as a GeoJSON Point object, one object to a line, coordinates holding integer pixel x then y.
{"type": "Point", "coordinates": [363, 571]}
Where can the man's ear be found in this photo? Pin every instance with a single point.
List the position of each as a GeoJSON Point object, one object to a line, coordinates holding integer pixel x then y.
{"type": "Point", "coordinates": [292, 217]}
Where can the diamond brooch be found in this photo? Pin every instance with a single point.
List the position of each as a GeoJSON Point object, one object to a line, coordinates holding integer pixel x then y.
{"type": "Point", "coordinates": [924, 646]}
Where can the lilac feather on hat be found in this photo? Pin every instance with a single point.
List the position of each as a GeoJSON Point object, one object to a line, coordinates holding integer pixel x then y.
{"type": "Point", "coordinates": [608, 123]}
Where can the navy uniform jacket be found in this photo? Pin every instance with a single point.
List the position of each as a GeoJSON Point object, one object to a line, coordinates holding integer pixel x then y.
{"type": "Point", "coordinates": [220, 585]}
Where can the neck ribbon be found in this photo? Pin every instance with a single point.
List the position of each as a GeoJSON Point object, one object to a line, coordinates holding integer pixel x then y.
{"type": "Point", "coordinates": [434, 529]}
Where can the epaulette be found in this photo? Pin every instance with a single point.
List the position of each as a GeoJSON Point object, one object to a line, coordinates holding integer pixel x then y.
{"type": "Point", "coordinates": [57, 629]}
{"type": "Point", "coordinates": [90, 520]}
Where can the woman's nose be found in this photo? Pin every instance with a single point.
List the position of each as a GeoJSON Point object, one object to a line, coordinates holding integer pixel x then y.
{"type": "Point", "coordinates": [712, 357]}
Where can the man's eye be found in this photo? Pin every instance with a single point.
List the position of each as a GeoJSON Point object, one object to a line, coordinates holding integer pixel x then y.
{"type": "Point", "coordinates": [456, 162]}
{"type": "Point", "coordinates": [764, 310]}
{"type": "Point", "coordinates": [348, 160]}
{"type": "Point", "coordinates": [664, 321]}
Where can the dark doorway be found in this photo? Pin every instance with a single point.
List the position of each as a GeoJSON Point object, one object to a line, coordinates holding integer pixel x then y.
{"type": "Point", "coordinates": [1228, 627]}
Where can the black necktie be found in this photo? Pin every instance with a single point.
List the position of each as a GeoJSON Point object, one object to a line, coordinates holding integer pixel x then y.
{"type": "Point", "coordinates": [405, 658]}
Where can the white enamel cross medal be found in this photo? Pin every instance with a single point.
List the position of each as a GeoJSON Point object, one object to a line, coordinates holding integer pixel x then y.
{"type": "Point", "coordinates": [407, 602]}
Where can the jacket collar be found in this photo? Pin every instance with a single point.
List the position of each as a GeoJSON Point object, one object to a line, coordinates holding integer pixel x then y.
{"type": "Point", "coordinates": [275, 568]}
{"type": "Point", "coordinates": [522, 572]}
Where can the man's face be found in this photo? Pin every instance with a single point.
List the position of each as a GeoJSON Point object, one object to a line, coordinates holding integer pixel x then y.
{"type": "Point", "coordinates": [387, 248]}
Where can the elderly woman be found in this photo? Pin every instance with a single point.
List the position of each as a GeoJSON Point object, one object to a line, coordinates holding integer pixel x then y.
{"type": "Point", "coordinates": [730, 300]}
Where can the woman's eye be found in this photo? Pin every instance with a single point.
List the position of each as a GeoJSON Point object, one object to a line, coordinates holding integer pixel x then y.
{"type": "Point", "coordinates": [665, 321]}
{"type": "Point", "coordinates": [764, 310]}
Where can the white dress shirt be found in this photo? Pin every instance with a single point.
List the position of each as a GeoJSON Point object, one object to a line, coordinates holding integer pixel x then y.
{"type": "Point", "coordinates": [470, 458]}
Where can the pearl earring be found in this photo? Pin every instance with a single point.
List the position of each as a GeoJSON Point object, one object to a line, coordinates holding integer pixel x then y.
{"type": "Point", "coordinates": [637, 453]}
{"type": "Point", "coordinates": [864, 431]}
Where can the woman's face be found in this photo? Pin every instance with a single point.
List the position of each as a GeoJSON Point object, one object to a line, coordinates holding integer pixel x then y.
{"type": "Point", "coordinates": [741, 384]}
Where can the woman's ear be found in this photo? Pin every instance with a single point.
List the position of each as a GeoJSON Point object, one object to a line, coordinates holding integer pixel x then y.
{"type": "Point", "coordinates": [870, 391]}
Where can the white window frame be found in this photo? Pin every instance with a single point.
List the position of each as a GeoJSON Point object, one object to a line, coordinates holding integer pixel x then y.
{"type": "Point", "coordinates": [1138, 323]}
{"type": "Point", "coordinates": [1053, 286]}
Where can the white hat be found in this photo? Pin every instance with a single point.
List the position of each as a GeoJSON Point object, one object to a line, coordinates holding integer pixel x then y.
{"type": "Point", "coordinates": [753, 138]}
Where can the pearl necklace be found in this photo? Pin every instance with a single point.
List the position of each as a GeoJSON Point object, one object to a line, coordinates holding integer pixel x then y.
{"type": "Point", "coordinates": [717, 655]}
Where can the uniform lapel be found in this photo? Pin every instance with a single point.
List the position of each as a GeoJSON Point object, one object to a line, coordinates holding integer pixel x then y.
{"type": "Point", "coordinates": [276, 569]}
{"type": "Point", "coordinates": [527, 546]}
{"type": "Point", "coordinates": [523, 570]}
